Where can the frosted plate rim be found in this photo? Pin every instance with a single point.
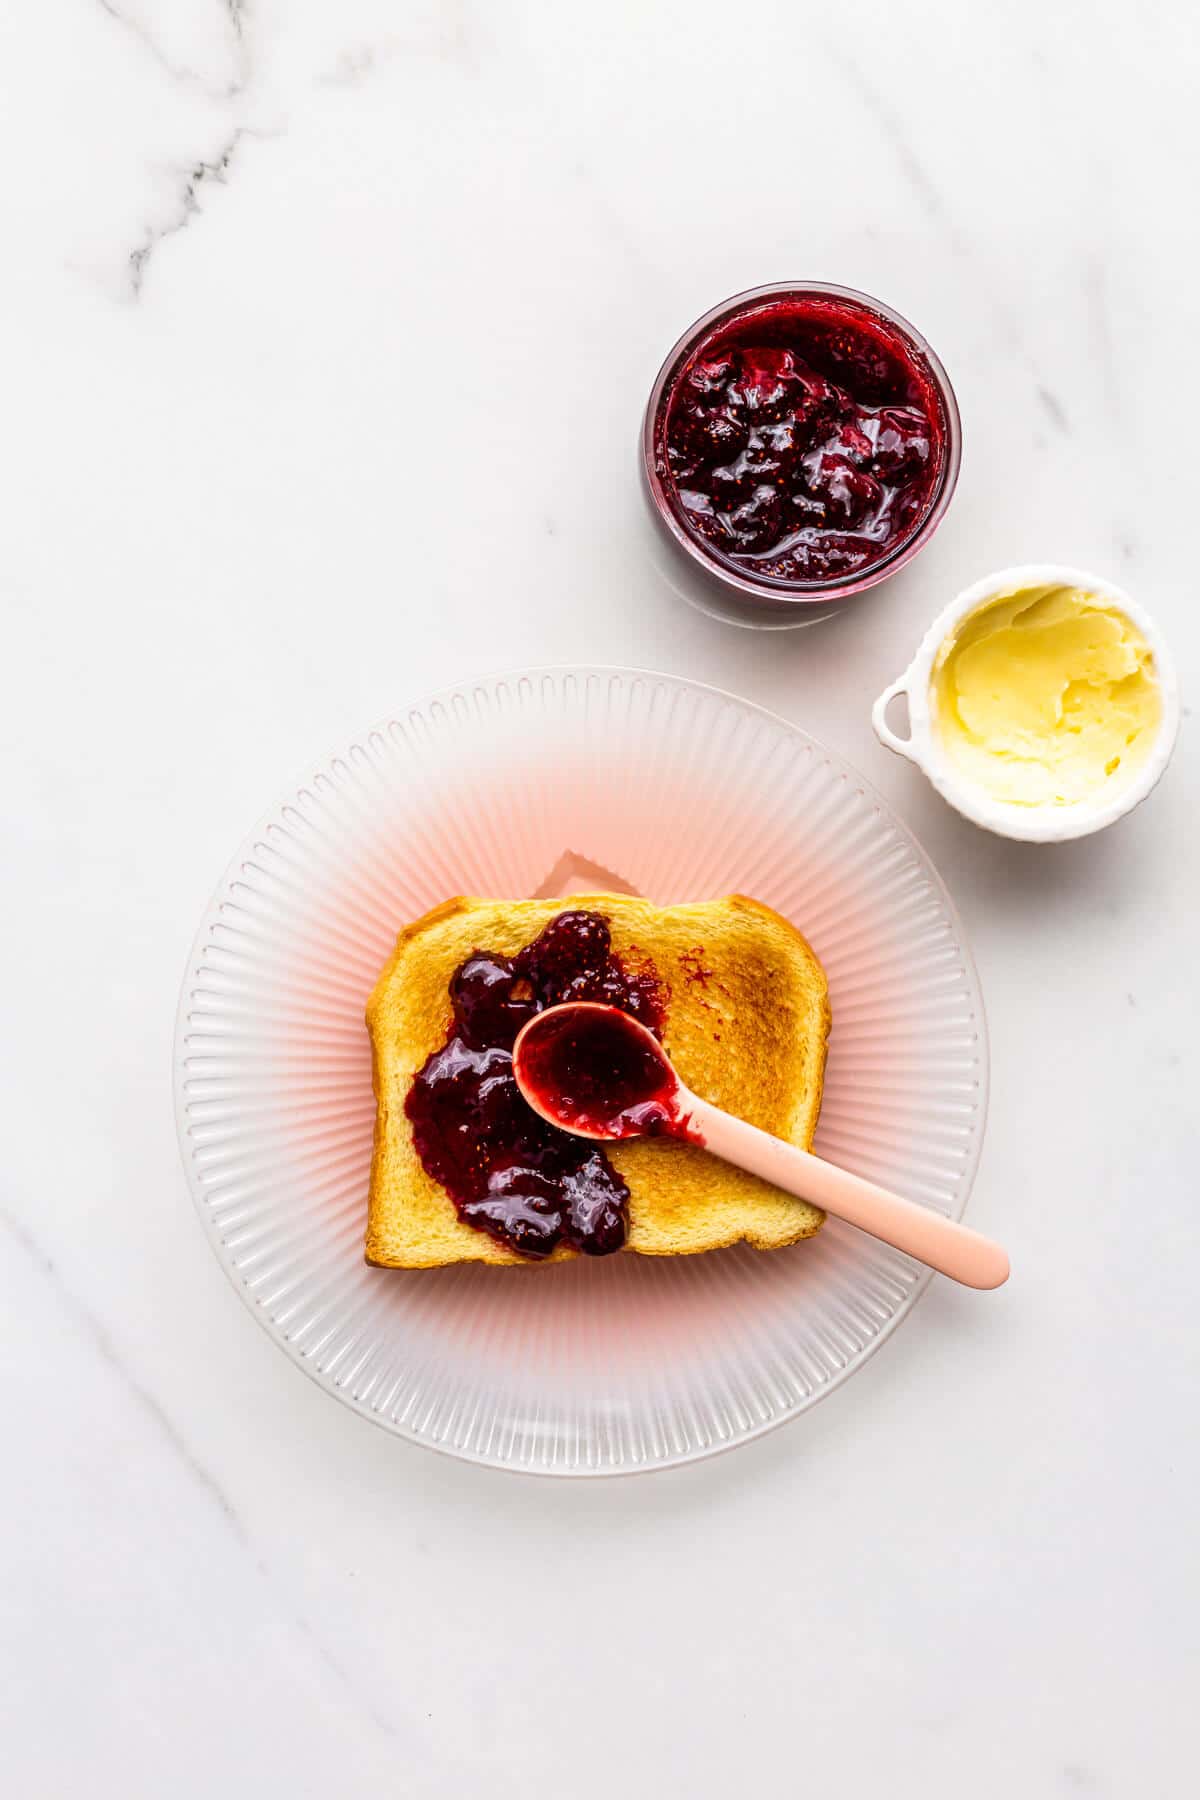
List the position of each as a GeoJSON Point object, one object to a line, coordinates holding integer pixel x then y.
{"type": "Point", "coordinates": [299, 1358]}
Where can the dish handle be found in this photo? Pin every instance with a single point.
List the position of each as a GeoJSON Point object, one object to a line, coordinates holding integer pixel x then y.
{"type": "Point", "coordinates": [883, 731]}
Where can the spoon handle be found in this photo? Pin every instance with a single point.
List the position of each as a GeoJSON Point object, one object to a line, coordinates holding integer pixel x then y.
{"type": "Point", "coordinates": [952, 1249]}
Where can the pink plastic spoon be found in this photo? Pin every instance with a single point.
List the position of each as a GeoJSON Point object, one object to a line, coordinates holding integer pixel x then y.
{"type": "Point", "coordinates": [594, 1071]}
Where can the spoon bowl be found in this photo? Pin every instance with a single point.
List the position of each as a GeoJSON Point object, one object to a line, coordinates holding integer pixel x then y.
{"type": "Point", "coordinates": [596, 1072]}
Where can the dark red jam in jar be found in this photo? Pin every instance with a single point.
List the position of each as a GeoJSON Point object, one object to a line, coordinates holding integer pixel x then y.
{"type": "Point", "coordinates": [508, 1172]}
{"type": "Point", "coordinates": [803, 438]}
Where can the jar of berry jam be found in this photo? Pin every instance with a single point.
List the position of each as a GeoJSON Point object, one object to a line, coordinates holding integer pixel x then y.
{"type": "Point", "coordinates": [801, 443]}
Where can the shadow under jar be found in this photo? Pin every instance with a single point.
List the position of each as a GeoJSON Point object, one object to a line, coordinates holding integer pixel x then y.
{"type": "Point", "coordinates": [800, 444]}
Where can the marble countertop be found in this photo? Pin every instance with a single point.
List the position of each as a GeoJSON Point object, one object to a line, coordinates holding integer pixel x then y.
{"type": "Point", "coordinates": [281, 278]}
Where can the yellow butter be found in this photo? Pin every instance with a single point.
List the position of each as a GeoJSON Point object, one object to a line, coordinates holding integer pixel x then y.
{"type": "Point", "coordinates": [1046, 697]}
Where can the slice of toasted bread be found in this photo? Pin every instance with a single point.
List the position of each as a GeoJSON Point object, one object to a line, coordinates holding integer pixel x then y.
{"type": "Point", "coordinates": [746, 1023]}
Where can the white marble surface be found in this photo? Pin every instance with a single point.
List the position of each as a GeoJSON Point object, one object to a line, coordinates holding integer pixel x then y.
{"type": "Point", "coordinates": [273, 270]}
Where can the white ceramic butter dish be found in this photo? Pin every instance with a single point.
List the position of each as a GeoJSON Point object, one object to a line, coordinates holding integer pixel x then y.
{"type": "Point", "coordinates": [928, 748]}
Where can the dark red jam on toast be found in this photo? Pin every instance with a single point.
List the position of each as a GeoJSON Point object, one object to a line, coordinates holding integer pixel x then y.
{"type": "Point", "coordinates": [508, 1172]}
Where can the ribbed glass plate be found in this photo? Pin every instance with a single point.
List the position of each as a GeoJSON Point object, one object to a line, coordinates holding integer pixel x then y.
{"type": "Point", "coordinates": [593, 1367]}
